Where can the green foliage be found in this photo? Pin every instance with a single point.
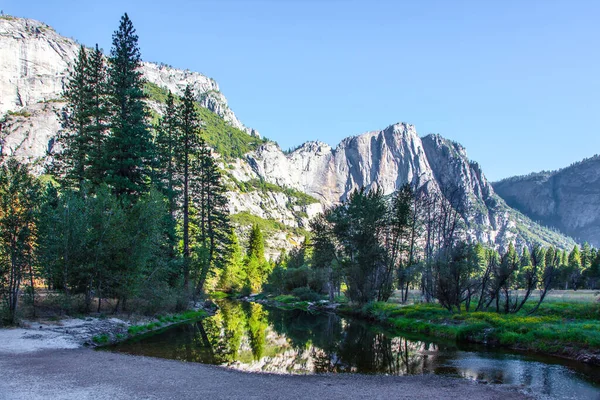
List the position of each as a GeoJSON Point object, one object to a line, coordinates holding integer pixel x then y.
{"type": "Point", "coordinates": [101, 339]}
{"type": "Point", "coordinates": [228, 141]}
{"type": "Point", "coordinates": [129, 149]}
{"type": "Point", "coordinates": [19, 200]}
{"type": "Point", "coordinates": [300, 198]}
{"type": "Point", "coordinates": [554, 330]}
{"type": "Point", "coordinates": [22, 113]}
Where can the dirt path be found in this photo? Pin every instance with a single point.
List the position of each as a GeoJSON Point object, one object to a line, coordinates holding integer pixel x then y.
{"type": "Point", "coordinates": [88, 374]}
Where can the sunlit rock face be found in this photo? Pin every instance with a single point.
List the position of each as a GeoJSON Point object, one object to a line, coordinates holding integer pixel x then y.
{"type": "Point", "coordinates": [34, 67]}
{"type": "Point", "coordinates": [35, 63]}
{"type": "Point", "coordinates": [568, 199]}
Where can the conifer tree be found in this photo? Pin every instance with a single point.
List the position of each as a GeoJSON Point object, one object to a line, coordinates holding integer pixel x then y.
{"type": "Point", "coordinates": [213, 218]}
{"type": "Point", "coordinates": [99, 116]}
{"type": "Point", "coordinates": [129, 150]}
{"type": "Point", "coordinates": [188, 152]}
{"type": "Point", "coordinates": [70, 164]}
{"type": "Point", "coordinates": [233, 277]}
{"type": "Point", "coordinates": [167, 145]}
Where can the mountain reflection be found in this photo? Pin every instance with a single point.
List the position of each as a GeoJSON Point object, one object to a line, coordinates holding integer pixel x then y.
{"type": "Point", "coordinates": [250, 337]}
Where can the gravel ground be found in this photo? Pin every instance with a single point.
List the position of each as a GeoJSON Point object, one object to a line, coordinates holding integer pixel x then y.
{"type": "Point", "coordinates": [88, 374]}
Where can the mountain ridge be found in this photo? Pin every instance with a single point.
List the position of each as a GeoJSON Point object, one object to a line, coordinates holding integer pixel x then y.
{"type": "Point", "coordinates": [34, 71]}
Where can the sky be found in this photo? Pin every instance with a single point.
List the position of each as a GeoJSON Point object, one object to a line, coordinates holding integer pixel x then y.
{"type": "Point", "coordinates": [515, 82]}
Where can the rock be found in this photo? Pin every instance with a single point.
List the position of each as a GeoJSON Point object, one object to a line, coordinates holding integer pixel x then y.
{"type": "Point", "coordinates": [567, 199]}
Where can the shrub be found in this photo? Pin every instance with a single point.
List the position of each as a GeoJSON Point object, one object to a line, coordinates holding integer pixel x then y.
{"type": "Point", "coordinates": [306, 294]}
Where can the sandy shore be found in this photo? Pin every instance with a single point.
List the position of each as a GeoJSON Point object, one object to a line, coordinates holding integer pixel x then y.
{"type": "Point", "coordinates": [49, 361]}
{"type": "Point", "coordinates": [88, 374]}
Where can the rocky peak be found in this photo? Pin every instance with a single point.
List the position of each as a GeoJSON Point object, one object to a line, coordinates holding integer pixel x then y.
{"type": "Point", "coordinates": [35, 63]}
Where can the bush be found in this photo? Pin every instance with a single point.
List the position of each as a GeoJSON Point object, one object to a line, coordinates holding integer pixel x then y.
{"type": "Point", "coordinates": [306, 294]}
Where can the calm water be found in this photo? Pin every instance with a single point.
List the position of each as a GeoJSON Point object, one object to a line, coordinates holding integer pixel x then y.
{"type": "Point", "coordinates": [250, 337]}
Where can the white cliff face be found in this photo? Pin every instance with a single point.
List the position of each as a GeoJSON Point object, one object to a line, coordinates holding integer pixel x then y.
{"type": "Point", "coordinates": [380, 159]}
{"type": "Point", "coordinates": [36, 60]}
{"type": "Point", "coordinates": [29, 135]}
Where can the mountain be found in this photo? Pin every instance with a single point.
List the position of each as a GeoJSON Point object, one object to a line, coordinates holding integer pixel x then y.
{"type": "Point", "coordinates": [567, 199]}
{"type": "Point", "coordinates": [279, 190]}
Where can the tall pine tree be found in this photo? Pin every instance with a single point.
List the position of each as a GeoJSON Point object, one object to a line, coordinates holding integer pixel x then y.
{"type": "Point", "coordinates": [188, 151]}
{"type": "Point", "coordinates": [98, 114]}
{"type": "Point", "coordinates": [167, 146]}
{"type": "Point", "coordinates": [129, 148]}
{"type": "Point", "coordinates": [213, 218]}
{"type": "Point", "coordinates": [70, 164]}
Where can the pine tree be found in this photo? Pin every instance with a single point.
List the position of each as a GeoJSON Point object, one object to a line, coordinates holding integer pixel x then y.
{"type": "Point", "coordinates": [233, 277]}
{"type": "Point", "coordinates": [574, 267]}
{"type": "Point", "coordinates": [188, 155]}
{"type": "Point", "coordinates": [213, 218]}
{"type": "Point", "coordinates": [166, 143]}
{"type": "Point", "coordinates": [70, 165]}
{"type": "Point", "coordinates": [256, 244]}
{"type": "Point", "coordinates": [99, 116]}
{"type": "Point", "coordinates": [129, 150]}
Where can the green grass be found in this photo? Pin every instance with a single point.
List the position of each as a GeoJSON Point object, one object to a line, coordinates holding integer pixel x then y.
{"type": "Point", "coordinates": [100, 339]}
{"type": "Point", "coordinates": [557, 328]}
{"type": "Point", "coordinates": [219, 295]}
{"type": "Point", "coordinates": [166, 320]}
{"type": "Point", "coordinates": [286, 298]}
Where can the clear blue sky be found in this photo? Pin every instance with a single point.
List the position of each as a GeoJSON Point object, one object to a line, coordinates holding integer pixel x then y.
{"type": "Point", "coordinates": [516, 82]}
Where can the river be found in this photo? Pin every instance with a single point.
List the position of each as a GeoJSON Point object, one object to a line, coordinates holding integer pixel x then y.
{"type": "Point", "coordinates": [252, 337]}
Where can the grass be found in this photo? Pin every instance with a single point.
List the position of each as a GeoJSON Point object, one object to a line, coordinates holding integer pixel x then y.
{"type": "Point", "coordinates": [219, 295]}
{"type": "Point", "coordinates": [557, 328]}
{"type": "Point", "coordinates": [100, 339]}
{"type": "Point", "coordinates": [286, 298]}
{"type": "Point", "coordinates": [166, 320]}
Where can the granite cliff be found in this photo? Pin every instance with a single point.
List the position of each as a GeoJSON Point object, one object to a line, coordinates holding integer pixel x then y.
{"type": "Point", "coordinates": [567, 199]}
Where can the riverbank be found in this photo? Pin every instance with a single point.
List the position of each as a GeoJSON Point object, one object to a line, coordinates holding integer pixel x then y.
{"type": "Point", "coordinates": [83, 373]}
{"type": "Point", "coordinates": [70, 333]}
{"type": "Point", "coordinates": [564, 329]}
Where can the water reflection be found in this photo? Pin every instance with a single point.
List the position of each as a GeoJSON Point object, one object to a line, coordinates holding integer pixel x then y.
{"type": "Point", "coordinates": [250, 337]}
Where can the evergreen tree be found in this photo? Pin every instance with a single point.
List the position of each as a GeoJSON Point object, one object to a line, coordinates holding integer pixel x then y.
{"type": "Point", "coordinates": [188, 156]}
{"type": "Point", "coordinates": [70, 164]}
{"type": "Point", "coordinates": [574, 268]}
{"type": "Point", "coordinates": [213, 218]}
{"type": "Point", "coordinates": [256, 244]}
{"type": "Point", "coordinates": [129, 150]}
{"type": "Point", "coordinates": [233, 277]}
{"type": "Point", "coordinates": [167, 146]}
{"type": "Point", "coordinates": [99, 116]}
{"type": "Point", "coordinates": [256, 266]}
